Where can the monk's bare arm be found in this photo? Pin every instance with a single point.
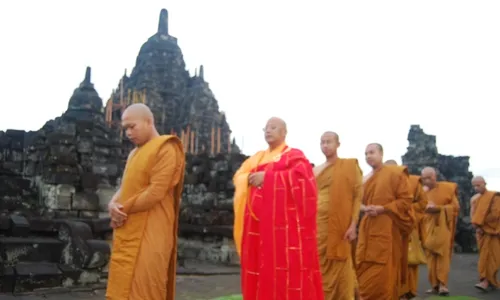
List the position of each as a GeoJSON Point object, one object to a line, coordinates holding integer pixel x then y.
{"type": "Point", "coordinates": [358, 196]}
{"type": "Point", "coordinates": [165, 174]}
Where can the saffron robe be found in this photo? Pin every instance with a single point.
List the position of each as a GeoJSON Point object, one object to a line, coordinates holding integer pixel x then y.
{"type": "Point", "coordinates": [340, 190]}
{"type": "Point", "coordinates": [487, 217]}
{"type": "Point", "coordinates": [444, 196]}
{"type": "Point", "coordinates": [383, 239]}
{"type": "Point", "coordinates": [144, 253]}
{"type": "Point", "coordinates": [419, 204]}
{"type": "Point", "coordinates": [279, 255]}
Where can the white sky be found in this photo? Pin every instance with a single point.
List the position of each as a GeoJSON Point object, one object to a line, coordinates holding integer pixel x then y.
{"type": "Point", "coordinates": [366, 69]}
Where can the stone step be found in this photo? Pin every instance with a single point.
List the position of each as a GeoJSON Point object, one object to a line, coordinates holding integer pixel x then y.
{"type": "Point", "coordinates": [25, 277]}
{"type": "Point", "coordinates": [30, 249]}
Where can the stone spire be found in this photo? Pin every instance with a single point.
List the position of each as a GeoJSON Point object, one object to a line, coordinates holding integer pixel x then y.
{"type": "Point", "coordinates": [87, 80]}
{"type": "Point", "coordinates": [202, 72]}
{"type": "Point", "coordinates": [163, 22]}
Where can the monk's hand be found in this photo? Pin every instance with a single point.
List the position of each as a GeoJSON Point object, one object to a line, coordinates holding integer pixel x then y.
{"type": "Point", "coordinates": [115, 225]}
{"type": "Point", "coordinates": [350, 234]}
{"type": "Point", "coordinates": [256, 179]}
{"type": "Point", "coordinates": [479, 232]}
{"type": "Point", "coordinates": [116, 213]}
{"type": "Point", "coordinates": [431, 208]}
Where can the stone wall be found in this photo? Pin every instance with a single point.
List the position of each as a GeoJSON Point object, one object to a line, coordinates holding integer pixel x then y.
{"type": "Point", "coordinates": [422, 152]}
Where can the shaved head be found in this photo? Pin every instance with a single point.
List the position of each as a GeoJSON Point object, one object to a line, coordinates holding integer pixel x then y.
{"type": "Point", "coordinates": [391, 162]}
{"type": "Point", "coordinates": [429, 177]}
{"type": "Point", "coordinates": [331, 134]}
{"type": "Point", "coordinates": [139, 110]}
{"type": "Point", "coordinates": [139, 124]}
{"type": "Point", "coordinates": [275, 132]}
{"type": "Point", "coordinates": [329, 145]}
{"type": "Point", "coordinates": [479, 184]}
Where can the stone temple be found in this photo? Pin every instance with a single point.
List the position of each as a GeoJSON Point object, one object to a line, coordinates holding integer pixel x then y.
{"type": "Point", "coordinates": [55, 183]}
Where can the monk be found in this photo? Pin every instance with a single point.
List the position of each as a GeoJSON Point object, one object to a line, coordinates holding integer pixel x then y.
{"type": "Point", "coordinates": [340, 189]}
{"type": "Point", "coordinates": [384, 230]}
{"type": "Point", "coordinates": [486, 220]}
{"type": "Point", "coordinates": [440, 221]}
{"type": "Point", "coordinates": [144, 213]}
{"type": "Point", "coordinates": [275, 208]}
{"type": "Point", "coordinates": [409, 288]}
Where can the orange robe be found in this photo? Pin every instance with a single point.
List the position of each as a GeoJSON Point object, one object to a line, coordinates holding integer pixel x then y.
{"type": "Point", "coordinates": [487, 217]}
{"type": "Point", "coordinates": [444, 196]}
{"type": "Point", "coordinates": [383, 239]}
{"type": "Point", "coordinates": [279, 258]}
{"type": "Point", "coordinates": [340, 190]}
{"type": "Point", "coordinates": [144, 255]}
{"type": "Point", "coordinates": [419, 204]}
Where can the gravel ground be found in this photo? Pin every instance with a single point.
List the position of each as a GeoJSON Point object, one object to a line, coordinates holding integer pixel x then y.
{"type": "Point", "coordinates": [463, 276]}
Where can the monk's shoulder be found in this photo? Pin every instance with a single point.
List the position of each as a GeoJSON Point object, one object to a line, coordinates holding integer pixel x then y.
{"type": "Point", "coordinates": [351, 162]}
{"type": "Point", "coordinates": [448, 187]}
{"type": "Point", "coordinates": [475, 197]}
{"type": "Point", "coordinates": [397, 171]}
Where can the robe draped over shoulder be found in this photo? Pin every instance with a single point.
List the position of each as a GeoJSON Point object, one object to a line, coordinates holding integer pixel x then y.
{"type": "Point", "coordinates": [445, 197]}
{"type": "Point", "coordinates": [339, 198]}
{"type": "Point", "coordinates": [144, 254]}
{"type": "Point", "coordinates": [241, 188]}
{"type": "Point", "coordinates": [383, 239]}
{"type": "Point", "coordinates": [279, 255]}
{"type": "Point", "coordinates": [487, 217]}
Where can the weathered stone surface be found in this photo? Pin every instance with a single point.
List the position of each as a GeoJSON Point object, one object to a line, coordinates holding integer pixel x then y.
{"type": "Point", "coordinates": [422, 152]}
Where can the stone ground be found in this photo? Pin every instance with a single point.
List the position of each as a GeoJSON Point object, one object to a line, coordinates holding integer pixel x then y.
{"type": "Point", "coordinates": [224, 282]}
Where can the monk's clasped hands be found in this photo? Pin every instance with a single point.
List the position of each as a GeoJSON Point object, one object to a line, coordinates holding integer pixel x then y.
{"type": "Point", "coordinates": [374, 210]}
{"type": "Point", "coordinates": [256, 179]}
{"type": "Point", "coordinates": [118, 217]}
{"type": "Point", "coordinates": [431, 208]}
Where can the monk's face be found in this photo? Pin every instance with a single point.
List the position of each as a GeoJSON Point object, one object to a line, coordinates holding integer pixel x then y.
{"type": "Point", "coordinates": [428, 178]}
{"type": "Point", "coordinates": [373, 156]}
{"type": "Point", "coordinates": [137, 128]}
{"type": "Point", "coordinates": [274, 132]}
{"type": "Point", "coordinates": [479, 186]}
{"type": "Point", "coordinates": [329, 144]}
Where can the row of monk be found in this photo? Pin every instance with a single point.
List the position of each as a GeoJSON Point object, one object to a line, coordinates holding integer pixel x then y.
{"type": "Point", "coordinates": [295, 227]}
{"type": "Point", "coordinates": [299, 233]}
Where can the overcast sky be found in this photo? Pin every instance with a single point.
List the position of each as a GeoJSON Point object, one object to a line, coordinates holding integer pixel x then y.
{"type": "Point", "coordinates": [365, 69]}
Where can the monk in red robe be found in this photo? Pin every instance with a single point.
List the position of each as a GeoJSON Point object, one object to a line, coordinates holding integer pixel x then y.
{"type": "Point", "coordinates": [144, 213]}
{"type": "Point", "coordinates": [486, 220]}
{"type": "Point", "coordinates": [275, 208]}
{"type": "Point", "coordinates": [384, 230]}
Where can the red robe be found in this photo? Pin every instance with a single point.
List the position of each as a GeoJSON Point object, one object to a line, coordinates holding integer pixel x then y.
{"type": "Point", "coordinates": [279, 258]}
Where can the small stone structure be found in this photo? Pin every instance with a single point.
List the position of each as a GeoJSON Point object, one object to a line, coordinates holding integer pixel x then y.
{"type": "Point", "coordinates": [422, 152]}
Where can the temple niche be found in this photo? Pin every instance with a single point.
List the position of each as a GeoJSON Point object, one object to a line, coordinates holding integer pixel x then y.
{"type": "Point", "coordinates": [182, 104]}
{"type": "Point", "coordinates": [422, 152]}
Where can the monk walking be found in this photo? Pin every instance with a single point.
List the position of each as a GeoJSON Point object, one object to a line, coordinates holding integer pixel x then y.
{"type": "Point", "coordinates": [387, 222]}
{"type": "Point", "coordinates": [416, 256]}
{"type": "Point", "coordinates": [340, 189]}
{"type": "Point", "coordinates": [440, 221]}
{"type": "Point", "coordinates": [486, 220]}
{"type": "Point", "coordinates": [275, 208]}
{"type": "Point", "coordinates": [144, 213]}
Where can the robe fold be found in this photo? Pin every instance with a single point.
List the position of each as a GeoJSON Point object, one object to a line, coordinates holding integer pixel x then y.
{"type": "Point", "coordinates": [487, 217]}
{"type": "Point", "coordinates": [444, 196]}
{"type": "Point", "coordinates": [340, 190]}
{"type": "Point", "coordinates": [144, 254]}
{"type": "Point", "coordinates": [419, 204]}
{"type": "Point", "coordinates": [383, 239]}
{"type": "Point", "coordinates": [279, 255]}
